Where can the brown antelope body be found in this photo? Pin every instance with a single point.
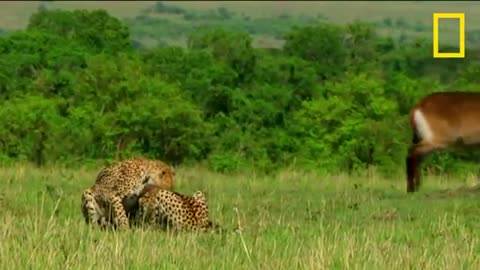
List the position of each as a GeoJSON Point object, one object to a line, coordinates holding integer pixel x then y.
{"type": "Point", "coordinates": [440, 121]}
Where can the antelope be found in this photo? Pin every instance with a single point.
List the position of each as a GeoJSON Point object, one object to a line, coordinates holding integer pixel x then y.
{"type": "Point", "coordinates": [440, 121]}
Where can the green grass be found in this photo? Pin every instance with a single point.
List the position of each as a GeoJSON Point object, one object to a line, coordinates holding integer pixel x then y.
{"type": "Point", "coordinates": [289, 221]}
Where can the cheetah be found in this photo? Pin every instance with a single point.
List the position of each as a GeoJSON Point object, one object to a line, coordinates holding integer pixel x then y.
{"type": "Point", "coordinates": [114, 195]}
{"type": "Point", "coordinates": [170, 209]}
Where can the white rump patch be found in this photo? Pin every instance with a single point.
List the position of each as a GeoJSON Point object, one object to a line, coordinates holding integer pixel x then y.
{"type": "Point", "coordinates": [421, 125]}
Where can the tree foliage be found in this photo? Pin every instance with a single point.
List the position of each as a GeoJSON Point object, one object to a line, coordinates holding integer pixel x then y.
{"type": "Point", "coordinates": [334, 98]}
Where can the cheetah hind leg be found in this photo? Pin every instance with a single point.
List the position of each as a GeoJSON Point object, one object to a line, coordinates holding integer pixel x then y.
{"type": "Point", "coordinates": [97, 209]}
{"type": "Point", "coordinates": [105, 210]}
{"type": "Point", "coordinates": [202, 213]}
{"type": "Point", "coordinates": [90, 208]}
{"type": "Point", "coordinates": [112, 211]}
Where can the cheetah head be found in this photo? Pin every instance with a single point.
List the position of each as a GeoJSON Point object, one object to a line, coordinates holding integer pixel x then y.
{"type": "Point", "coordinates": [163, 178]}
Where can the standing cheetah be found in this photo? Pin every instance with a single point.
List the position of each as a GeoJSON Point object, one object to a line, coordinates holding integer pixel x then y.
{"type": "Point", "coordinates": [165, 208]}
{"type": "Point", "coordinates": [115, 191]}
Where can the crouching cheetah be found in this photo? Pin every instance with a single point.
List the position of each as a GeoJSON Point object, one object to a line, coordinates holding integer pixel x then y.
{"type": "Point", "coordinates": [115, 191]}
{"type": "Point", "coordinates": [166, 208]}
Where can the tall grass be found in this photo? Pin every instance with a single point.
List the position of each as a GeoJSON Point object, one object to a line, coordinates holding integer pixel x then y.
{"type": "Point", "coordinates": [292, 220]}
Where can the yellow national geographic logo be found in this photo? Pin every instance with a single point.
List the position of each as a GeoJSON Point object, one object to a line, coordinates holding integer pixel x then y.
{"type": "Point", "coordinates": [461, 18]}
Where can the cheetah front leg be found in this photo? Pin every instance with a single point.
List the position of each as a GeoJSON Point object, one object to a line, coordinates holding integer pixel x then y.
{"type": "Point", "coordinates": [119, 213]}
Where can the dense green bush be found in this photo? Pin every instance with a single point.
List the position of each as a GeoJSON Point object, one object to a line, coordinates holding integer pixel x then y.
{"type": "Point", "coordinates": [334, 98]}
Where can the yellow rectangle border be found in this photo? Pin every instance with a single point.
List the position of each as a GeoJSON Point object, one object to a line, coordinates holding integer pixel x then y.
{"type": "Point", "coordinates": [461, 18]}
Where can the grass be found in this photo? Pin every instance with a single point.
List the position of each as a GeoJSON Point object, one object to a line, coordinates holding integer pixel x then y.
{"type": "Point", "coordinates": [289, 221]}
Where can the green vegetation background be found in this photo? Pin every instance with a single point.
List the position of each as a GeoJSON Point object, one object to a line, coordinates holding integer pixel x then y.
{"type": "Point", "coordinates": [226, 88]}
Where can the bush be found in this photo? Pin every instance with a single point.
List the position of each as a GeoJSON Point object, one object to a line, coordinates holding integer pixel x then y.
{"type": "Point", "coordinates": [334, 98]}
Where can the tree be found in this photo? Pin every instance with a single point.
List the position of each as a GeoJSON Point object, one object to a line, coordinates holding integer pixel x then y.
{"type": "Point", "coordinates": [31, 129]}
{"type": "Point", "coordinates": [38, 61]}
{"type": "Point", "coordinates": [322, 45]}
{"type": "Point", "coordinates": [96, 30]}
{"type": "Point", "coordinates": [360, 43]}
{"type": "Point", "coordinates": [231, 48]}
{"type": "Point", "coordinates": [345, 130]}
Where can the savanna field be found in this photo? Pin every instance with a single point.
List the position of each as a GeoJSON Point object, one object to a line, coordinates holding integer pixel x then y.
{"type": "Point", "coordinates": [291, 220]}
{"type": "Point", "coordinates": [292, 119]}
